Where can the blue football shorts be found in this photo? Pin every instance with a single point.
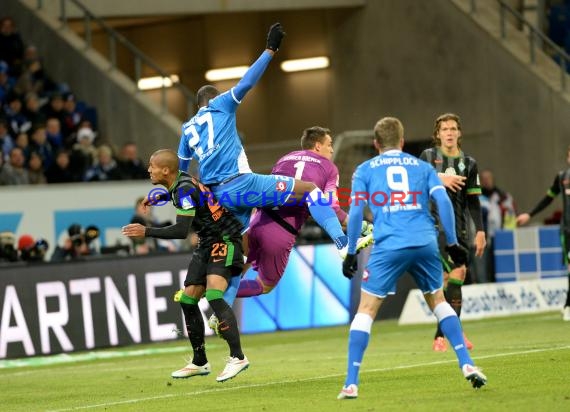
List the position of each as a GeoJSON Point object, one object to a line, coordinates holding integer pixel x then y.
{"type": "Point", "coordinates": [385, 267]}
{"type": "Point", "coordinates": [242, 194]}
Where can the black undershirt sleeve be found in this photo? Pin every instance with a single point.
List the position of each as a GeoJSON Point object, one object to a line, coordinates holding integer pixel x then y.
{"type": "Point", "coordinates": [474, 206]}
{"type": "Point", "coordinates": [179, 230]}
{"type": "Point", "coordinates": [544, 202]}
{"type": "Point", "coordinates": [548, 198]}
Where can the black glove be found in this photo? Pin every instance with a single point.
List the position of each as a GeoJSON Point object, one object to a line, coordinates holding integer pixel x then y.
{"type": "Point", "coordinates": [275, 36]}
{"type": "Point", "coordinates": [349, 266]}
{"type": "Point", "coordinates": [457, 253]}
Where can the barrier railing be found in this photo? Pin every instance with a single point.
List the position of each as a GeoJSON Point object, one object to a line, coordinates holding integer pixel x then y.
{"type": "Point", "coordinates": [536, 37]}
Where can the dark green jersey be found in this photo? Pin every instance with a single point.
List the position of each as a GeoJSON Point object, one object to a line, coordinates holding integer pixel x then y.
{"type": "Point", "coordinates": [211, 221]}
{"type": "Point", "coordinates": [561, 185]}
{"type": "Point", "coordinates": [461, 165]}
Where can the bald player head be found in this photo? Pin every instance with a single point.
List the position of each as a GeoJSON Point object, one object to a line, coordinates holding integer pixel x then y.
{"type": "Point", "coordinates": [163, 167]}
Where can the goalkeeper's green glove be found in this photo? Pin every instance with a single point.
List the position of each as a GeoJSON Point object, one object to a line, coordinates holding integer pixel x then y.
{"type": "Point", "coordinates": [367, 228]}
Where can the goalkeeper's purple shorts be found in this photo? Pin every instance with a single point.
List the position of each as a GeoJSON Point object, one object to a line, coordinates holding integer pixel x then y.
{"type": "Point", "coordinates": [269, 248]}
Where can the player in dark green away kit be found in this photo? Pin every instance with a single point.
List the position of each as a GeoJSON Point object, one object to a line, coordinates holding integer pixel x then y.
{"type": "Point", "coordinates": [461, 179]}
{"type": "Point", "coordinates": [561, 184]}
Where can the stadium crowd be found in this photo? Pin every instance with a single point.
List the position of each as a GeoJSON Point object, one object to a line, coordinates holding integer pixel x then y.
{"type": "Point", "coordinates": [47, 135]}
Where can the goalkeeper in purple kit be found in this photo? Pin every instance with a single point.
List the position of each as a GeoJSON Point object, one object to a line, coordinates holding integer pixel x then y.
{"type": "Point", "coordinates": [273, 231]}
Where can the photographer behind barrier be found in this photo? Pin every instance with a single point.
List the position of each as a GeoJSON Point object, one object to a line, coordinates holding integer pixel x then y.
{"type": "Point", "coordinates": [8, 251]}
{"type": "Point", "coordinates": [78, 243]}
{"type": "Point", "coordinates": [143, 246]}
{"type": "Point", "coordinates": [32, 250]}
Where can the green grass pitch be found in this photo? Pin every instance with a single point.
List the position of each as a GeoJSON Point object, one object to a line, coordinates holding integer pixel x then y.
{"type": "Point", "coordinates": [526, 358]}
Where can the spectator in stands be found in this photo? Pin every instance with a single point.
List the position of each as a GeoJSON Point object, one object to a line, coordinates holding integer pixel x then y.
{"type": "Point", "coordinates": [105, 169]}
{"type": "Point", "coordinates": [54, 133]}
{"type": "Point", "coordinates": [60, 171]}
{"type": "Point", "coordinates": [31, 53]}
{"type": "Point", "coordinates": [55, 107]}
{"type": "Point", "coordinates": [77, 244]}
{"type": "Point", "coordinates": [83, 154]}
{"type": "Point", "coordinates": [498, 209]}
{"type": "Point", "coordinates": [14, 172]}
{"type": "Point", "coordinates": [558, 17]}
{"type": "Point", "coordinates": [32, 109]}
{"type": "Point", "coordinates": [72, 115]}
{"type": "Point", "coordinates": [6, 141]}
{"type": "Point", "coordinates": [131, 166]}
{"type": "Point", "coordinates": [17, 121]}
{"type": "Point", "coordinates": [36, 174]}
{"type": "Point", "coordinates": [6, 82]}
{"type": "Point", "coordinates": [23, 142]}
{"type": "Point", "coordinates": [87, 130]}
{"type": "Point", "coordinates": [34, 79]}
{"type": "Point", "coordinates": [41, 145]}
{"type": "Point", "coordinates": [11, 45]}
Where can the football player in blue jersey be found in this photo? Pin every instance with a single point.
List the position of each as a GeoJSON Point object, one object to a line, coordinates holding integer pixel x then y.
{"type": "Point", "coordinates": [211, 137]}
{"type": "Point", "coordinates": [397, 187]}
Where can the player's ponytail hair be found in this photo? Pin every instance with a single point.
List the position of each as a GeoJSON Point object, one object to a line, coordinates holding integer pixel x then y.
{"type": "Point", "coordinates": [444, 118]}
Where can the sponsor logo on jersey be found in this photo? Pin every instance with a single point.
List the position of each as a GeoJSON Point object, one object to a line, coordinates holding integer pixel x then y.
{"type": "Point", "coordinates": [461, 166]}
{"type": "Point", "coordinates": [281, 186]}
{"type": "Point", "coordinates": [187, 203]}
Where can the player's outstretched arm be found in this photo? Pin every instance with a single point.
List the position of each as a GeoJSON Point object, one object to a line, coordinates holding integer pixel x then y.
{"type": "Point", "coordinates": [523, 219]}
{"type": "Point", "coordinates": [275, 37]}
{"type": "Point", "coordinates": [179, 230]}
{"type": "Point", "coordinates": [256, 70]}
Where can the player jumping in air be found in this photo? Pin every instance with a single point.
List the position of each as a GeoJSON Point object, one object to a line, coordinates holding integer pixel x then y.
{"type": "Point", "coordinates": [211, 137]}
{"type": "Point", "coordinates": [273, 231]}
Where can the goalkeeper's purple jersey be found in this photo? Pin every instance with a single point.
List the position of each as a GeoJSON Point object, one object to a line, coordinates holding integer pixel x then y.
{"type": "Point", "coordinates": [308, 166]}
